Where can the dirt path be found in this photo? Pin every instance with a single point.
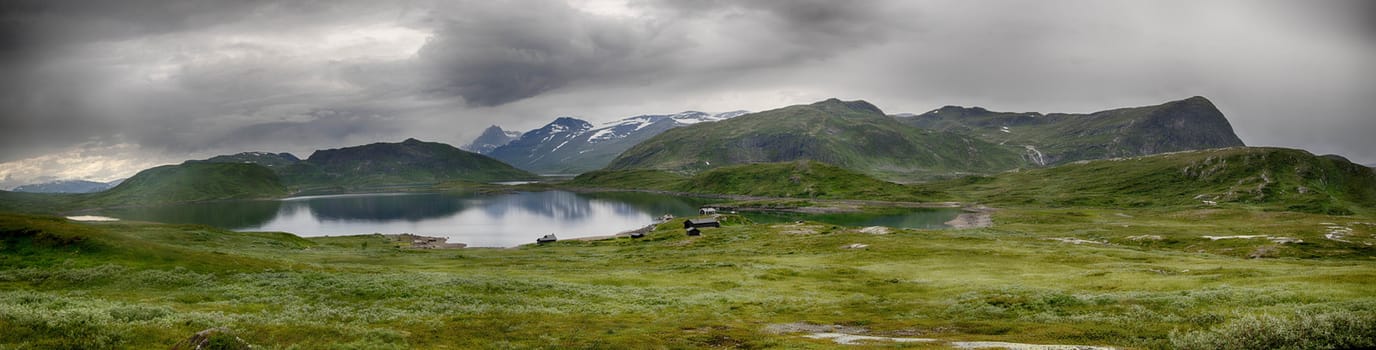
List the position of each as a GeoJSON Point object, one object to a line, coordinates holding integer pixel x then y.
{"type": "Point", "coordinates": [851, 335]}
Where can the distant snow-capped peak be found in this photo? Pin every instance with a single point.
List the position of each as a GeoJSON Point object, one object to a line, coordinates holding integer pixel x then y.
{"type": "Point", "coordinates": [567, 124]}
{"type": "Point", "coordinates": [624, 127]}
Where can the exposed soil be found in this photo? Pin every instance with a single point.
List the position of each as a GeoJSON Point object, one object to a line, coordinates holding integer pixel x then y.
{"type": "Point", "coordinates": [849, 335]}
{"type": "Point", "coordinates": [977, 217]}
{"type": "Point", "coordinates": [425, 242]}
{"type": "Point", "coordinates": [91, 218]}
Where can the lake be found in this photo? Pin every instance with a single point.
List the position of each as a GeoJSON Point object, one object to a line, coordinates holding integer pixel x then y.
{"type": "Point", "coordinates": [494, 220]}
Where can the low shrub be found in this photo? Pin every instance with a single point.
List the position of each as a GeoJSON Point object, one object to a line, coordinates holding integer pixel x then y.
{"type": "Point", "coordinates": [1329, 330]}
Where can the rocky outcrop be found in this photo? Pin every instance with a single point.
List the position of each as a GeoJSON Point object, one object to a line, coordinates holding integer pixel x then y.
{"type": "Point", "coordinates": [219, 338]}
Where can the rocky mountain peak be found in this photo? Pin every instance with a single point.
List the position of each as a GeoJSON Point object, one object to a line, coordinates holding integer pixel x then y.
{"type": "Point", "coordinates": [491, 138]}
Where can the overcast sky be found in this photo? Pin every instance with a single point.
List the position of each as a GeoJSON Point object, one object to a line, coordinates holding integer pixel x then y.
{"type": "Point", "coordinates": [102, 89]}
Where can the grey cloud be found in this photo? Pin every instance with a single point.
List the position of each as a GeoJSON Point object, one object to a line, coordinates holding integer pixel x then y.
{"type": "Point", "coordinates": [228, 76]}
{"type": "Point", "coordinates": [496, 55]}
{"type": "Point", "coordinates": [818, 23]}
{"type": "Point", "coordinates": [329, 129]}
{"type": "Point", "coordinates": [33, 24]}
{"type": "Point", "coordinates": [492, 55]}
{"type": "Point", "coordinates": [166, 74]}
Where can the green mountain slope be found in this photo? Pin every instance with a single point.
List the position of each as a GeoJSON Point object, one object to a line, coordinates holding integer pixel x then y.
{"type": "Point", "coordinates": [853, 135]}
{"type": "Point", "coordinates": [192, 181]}
{"type": "Point", "coordinates": [802, 179]}
{"type": "Point", "coordinates": [1058, 138]}
{"type": "Point", "coordinates": [1275, 178]}
{"type": "Point", "coordinates": [270, 160]}
{"type": "Point", "coordinates": [798, 179]}
{"type": "Point", "coordinates": [378, 166]}
{"type": "Point", "coordinates": [409, 162]}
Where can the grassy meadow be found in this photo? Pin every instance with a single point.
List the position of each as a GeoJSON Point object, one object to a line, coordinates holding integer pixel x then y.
{"type": "Point", "coordinates": [1125, 278]}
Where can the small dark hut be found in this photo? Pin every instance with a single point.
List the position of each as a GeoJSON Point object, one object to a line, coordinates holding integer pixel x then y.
{"type": "Point", "coordinates": [694, 231]}
{"type": "Point", "coordinates": [546, 239]}
{"type": "Point", "coordinates": [708, 222]}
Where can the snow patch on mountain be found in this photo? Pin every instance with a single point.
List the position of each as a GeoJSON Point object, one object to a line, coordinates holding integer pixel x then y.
{"type": "Point", "coordinates": [602, 134]}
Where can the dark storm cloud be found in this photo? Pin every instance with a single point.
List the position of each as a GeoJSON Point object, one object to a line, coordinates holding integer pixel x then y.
{"type": "Point", "coordinates": [166, 74]}
{"type": "Point", "coordinates": [45, 96]}
{"type": "Point", "coordinates": [496, 53]}
{"type": "Point", "coordinates": [29, 27]}
{"type": "Point", "coordinates": [491, 55]}
{"type": "Point", "coordinates": [172, 75]}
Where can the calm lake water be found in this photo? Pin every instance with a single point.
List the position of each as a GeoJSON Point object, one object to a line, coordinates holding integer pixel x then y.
{"type": "Point", "coordinates": [502, 220]}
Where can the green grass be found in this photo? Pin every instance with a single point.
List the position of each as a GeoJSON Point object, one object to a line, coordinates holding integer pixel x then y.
{"type": "Point", "coordinates": [644, 179]}
{"type": "Point", "coordinates": [141, 285]}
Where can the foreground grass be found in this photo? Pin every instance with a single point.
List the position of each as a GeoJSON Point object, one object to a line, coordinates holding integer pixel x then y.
{"type": "Point", "coordinates": [140, 285]}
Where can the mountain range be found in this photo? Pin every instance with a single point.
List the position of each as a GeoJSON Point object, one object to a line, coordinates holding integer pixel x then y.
{"type": "Point", "coordinates": [378, 166]}
{"type": "Point", "coordinates": [406, 165]}
{"type": "Point", "coordinates": [946, 142]}
{"type": "Point", "coordinates": [68, 186]}
{"type": "Point", "coordinates": [1058, 138]}
{"type": "Point", "coordinates": [571, 146]}
{"type": "Point", "coordinates": [829, 149]}
{"type": "Point", "coordinates": [854, 135]}
{"type": "Point", "coordinates": [1273, 179]}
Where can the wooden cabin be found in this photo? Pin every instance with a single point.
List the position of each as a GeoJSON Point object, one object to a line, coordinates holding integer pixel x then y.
{"type": "Point", "coordinates": [694, 231]}
{"type": "Point", "coordinates": [707, 222]}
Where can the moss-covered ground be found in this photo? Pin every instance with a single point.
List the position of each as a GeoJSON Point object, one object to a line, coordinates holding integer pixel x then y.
{"type": "Point", "coordinates": [1139, 278]}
